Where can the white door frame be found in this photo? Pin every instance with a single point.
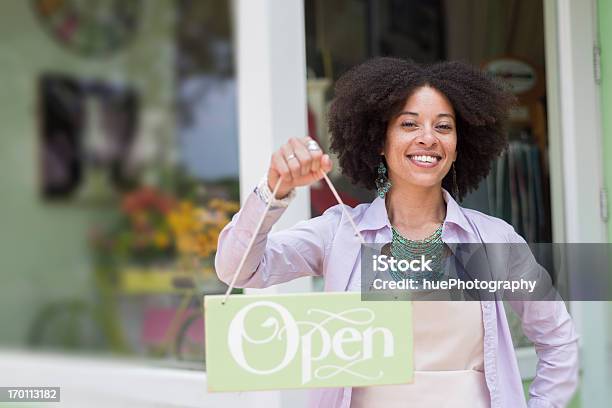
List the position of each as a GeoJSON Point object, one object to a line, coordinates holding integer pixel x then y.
{"type": "Point", "coordinates": [270, 50]}
{"type": "Point", "coordinates": [576, 164]}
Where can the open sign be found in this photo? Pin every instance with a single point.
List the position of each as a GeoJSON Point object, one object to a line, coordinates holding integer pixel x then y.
{"type": "Point", "coordinates": [306, 341]}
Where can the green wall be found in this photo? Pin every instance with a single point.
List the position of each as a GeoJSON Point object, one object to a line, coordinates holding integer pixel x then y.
{"type": "Point", "coordinates": [604, 12]}
{"type": "Point", "coordinates": [43, 248]}
{"type": "Point", "coordinates": [605, 39]}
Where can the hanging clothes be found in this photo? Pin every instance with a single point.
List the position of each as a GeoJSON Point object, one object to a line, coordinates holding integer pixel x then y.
{"type": "Point", "coordinates": [516, 190]}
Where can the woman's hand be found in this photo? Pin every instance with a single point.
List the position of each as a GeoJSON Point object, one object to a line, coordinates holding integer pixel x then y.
{"type": "Point", "coordinates": [298, 162]}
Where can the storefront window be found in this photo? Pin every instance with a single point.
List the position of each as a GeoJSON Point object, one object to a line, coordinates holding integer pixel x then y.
{"type": "Point", "coordinates": [120, 156]}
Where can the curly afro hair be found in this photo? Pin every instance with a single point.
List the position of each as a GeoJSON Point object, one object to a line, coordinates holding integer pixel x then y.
{"type": "Point", "coordinates": [370, 94]}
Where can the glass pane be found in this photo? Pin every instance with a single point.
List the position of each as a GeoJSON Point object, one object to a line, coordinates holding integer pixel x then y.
{"type": "Point", "coordinates": [120, 164]}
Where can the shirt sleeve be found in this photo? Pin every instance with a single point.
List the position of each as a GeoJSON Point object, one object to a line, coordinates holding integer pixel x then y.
{"type": "Point", "coordinates": [275, 257]}
{"type": "Point", "coordinates": [551, 329]}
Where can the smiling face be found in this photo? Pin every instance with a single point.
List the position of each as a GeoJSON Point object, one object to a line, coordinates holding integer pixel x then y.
{"type": "Point", "coordinates": [421, 141]}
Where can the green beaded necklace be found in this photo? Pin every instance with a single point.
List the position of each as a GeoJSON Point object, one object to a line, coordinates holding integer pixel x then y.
{"type": "Point", "coordinates": [431, 247]}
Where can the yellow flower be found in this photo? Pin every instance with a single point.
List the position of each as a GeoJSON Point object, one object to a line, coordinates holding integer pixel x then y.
{"type": "Point", "coordinates": [161, 240]}
{"type": "Point", "coordinates": [196, 230]}
{"type": "Point", "coordinates": [232, 207]}
{"type": "Point", "coordinates": [223, 205]}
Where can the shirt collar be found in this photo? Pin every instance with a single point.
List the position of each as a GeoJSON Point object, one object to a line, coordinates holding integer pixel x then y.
{"type": "Point", "coordinates": [455, 214]}
{"type": "Point", "coordinates": [375, 217]}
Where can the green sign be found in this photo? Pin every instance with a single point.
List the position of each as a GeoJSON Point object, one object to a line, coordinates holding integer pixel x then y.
{"type": "Point", "coordinates": [313, 340]}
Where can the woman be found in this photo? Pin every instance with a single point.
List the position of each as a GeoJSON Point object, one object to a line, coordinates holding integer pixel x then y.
{"type": "Point", "coordinates": [413, 133]}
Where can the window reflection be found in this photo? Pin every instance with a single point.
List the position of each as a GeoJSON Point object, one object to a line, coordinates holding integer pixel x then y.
{"type": "Point", "coordinates": [137, 174]}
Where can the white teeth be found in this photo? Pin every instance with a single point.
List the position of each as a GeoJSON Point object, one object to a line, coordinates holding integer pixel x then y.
{"type": "Point", "coordinates": [425, 159]}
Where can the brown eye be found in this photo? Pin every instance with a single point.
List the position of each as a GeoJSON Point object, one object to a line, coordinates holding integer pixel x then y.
{"type": "Point", "coordinates": [445, 127]}
{"type": "Point", "coordinates": [408, 124]}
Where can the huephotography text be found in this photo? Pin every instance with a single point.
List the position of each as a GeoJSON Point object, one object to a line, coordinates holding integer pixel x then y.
{"type": "Point", "coordinates": [455, 284]}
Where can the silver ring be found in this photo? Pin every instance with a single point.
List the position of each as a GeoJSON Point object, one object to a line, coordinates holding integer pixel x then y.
{"type": "Point", "coordinates": [312, 146]}
{"type": "Point", "coordinates": [291, 156]}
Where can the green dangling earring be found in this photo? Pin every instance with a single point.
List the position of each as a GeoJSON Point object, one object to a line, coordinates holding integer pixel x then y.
{"type": "Point", "coordinates": [455, 185]}
{"type": "Point", "coordinates": [382, 181]}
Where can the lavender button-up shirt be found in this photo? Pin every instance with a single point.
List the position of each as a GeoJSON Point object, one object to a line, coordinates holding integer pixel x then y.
{"type": "Point", "coordinates": [328, 246]}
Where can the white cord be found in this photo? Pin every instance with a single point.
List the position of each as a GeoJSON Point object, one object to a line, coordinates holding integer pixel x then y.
{"type": "Point", "coordinates": [346, 214]}
{"type": "Point", "coordinates": [246, 253]}
{"type": "Point", "coordinates": [263, 216]}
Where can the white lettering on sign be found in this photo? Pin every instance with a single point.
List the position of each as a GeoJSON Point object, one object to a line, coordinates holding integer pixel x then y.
{"type": "Point", "coordinates": [236, 334]}
{"type": "Point", "coordinates": [329, 342]}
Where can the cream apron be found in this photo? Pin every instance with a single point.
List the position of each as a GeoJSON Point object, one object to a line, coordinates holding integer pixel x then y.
{"type": "Point", "coordinates": [448, 361]}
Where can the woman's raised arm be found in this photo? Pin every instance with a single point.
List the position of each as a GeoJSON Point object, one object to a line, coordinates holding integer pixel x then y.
{"type": "Point", "coordinates": [285, 255]}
